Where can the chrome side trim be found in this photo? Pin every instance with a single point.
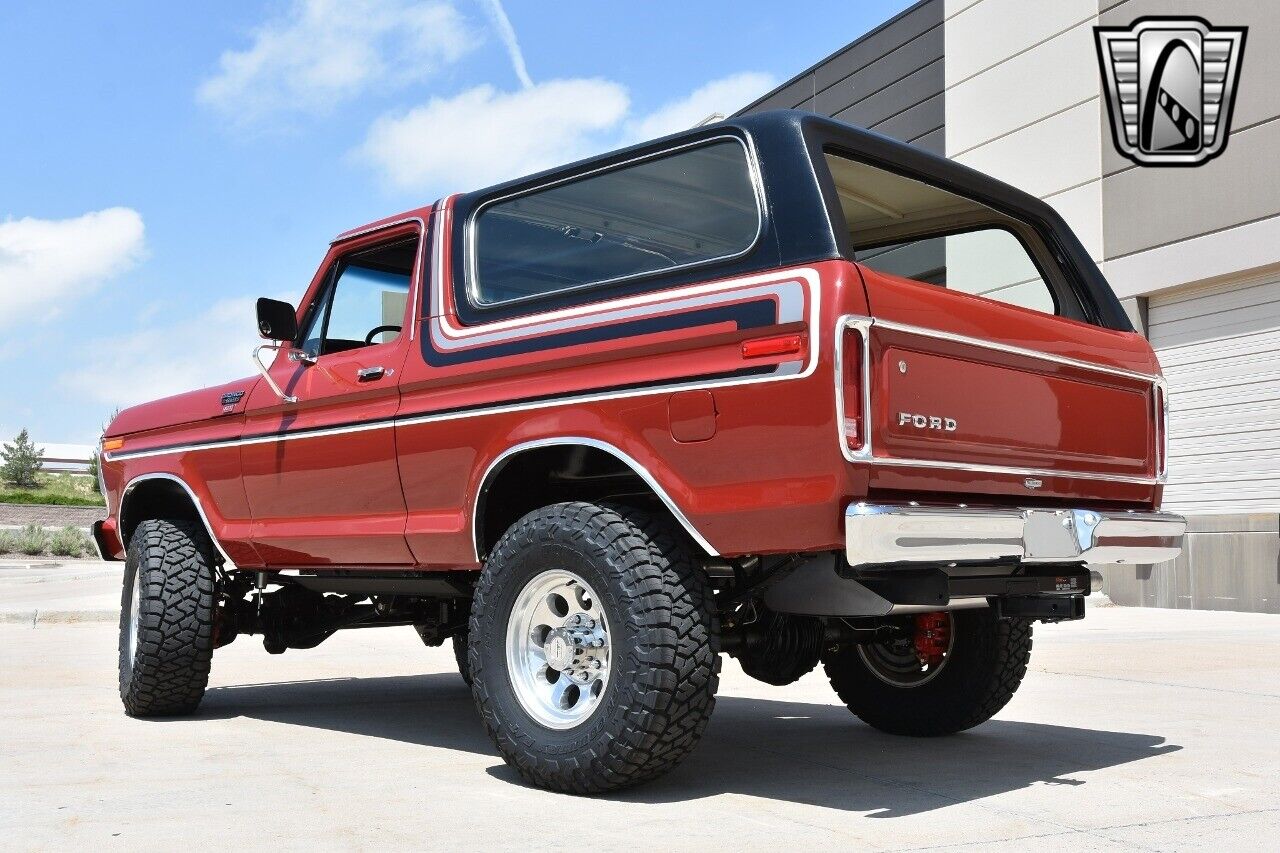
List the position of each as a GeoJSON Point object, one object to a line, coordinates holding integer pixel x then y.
{"type": "Point", "coordinates": [1015, 350]}
{"type": "Point", "coordinates": [865, 324]}
{"type": "Point", "coordinates": [141, 478]}
{"type": "Point", "coordinates": [888, 535]}
{"type": "Point", "coordinates": [807, 274]}
{"type": "Point", "coordinates": [471, 271]}
{"type": "Point", "coordinates": [559, 441]}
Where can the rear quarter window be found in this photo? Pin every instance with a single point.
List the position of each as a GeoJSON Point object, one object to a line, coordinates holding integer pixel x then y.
{"type": "Point", "coordinates": [692, 206]}
{"type": "Point", "coordinates": [908, 228]}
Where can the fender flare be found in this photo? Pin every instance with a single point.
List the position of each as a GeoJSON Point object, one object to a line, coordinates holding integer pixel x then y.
{"type": "Point", "coordinates": [195, 501]}
{"type": "Point", "coordinates": [640, 471]}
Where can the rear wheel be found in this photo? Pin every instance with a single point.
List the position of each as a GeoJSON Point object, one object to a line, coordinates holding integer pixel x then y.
{"type": "Point", "coordinates": [944, 673]}
{"type": "Point", "coordinates": [460, 655]}
{"type": "Point", "coordinates": [592, 648]}
{"type": "Point", "coordinates": [166, 619]}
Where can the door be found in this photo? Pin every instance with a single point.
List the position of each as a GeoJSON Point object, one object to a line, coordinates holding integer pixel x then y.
{"type": "Point", "coordinates": [1218, 348]}
{"type": "Point", "coordinates": [320, 473]}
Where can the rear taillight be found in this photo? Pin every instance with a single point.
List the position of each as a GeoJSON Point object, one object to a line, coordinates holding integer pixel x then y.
{"type": "Point", "coordinates": [852, 427]}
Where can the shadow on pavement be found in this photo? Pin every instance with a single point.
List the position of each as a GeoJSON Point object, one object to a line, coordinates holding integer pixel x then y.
{"type": "Point", "coordinates": [800, 752]}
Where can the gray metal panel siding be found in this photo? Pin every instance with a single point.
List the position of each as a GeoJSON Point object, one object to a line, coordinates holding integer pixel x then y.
{"type": "Point", "coordinates": [882, 75]}
{"type": "Point", "coordinates": [890, 80]}
{"type": "Point", "coordinates": [1148, 207]}
{"type": "Point", "coordinates": [798, 94]}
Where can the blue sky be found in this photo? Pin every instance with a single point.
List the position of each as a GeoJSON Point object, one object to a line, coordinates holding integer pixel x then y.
{"type": "Point", "coordinates": [163, 164]}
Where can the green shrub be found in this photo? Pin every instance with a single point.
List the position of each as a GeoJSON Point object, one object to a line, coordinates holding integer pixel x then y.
{"type": "Point", "coordinates": [32, 540]}
{"type": "Point", "coordinates": [25, 497]}
{"type": "Point", "coordinates": [69, 542]}
{"type": "Point", "coordinates": [8, 542]}
{"type": "Point", "coordinates": [20, 462]}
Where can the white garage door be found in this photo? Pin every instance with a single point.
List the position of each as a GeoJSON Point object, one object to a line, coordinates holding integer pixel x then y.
{"type": "Point", "coordinates": [1220, 349]}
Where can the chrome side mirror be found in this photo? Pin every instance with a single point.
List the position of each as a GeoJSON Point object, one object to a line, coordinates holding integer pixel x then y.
{"type": "Point", "coordinates": [277, 320]}
{"type": "Point", "coordinates": [262, 368]}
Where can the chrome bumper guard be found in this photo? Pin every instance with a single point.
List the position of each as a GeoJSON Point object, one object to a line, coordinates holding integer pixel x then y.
{"type": "Point", "coordinates": [882, 535]}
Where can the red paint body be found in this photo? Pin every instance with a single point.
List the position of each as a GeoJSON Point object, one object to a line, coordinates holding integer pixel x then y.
{"type": "Point", "coordinates": [756, 467]}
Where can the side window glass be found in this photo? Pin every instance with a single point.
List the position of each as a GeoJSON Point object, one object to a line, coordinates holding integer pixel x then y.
{"type": "Point", "coordinates": [907, 228]}
{"type": "Point", "coordinates": [988, 262]}
{"type": "Point", "coordinates": [689, 207]}
{"type": "Point", "coordinates": [364, 303]}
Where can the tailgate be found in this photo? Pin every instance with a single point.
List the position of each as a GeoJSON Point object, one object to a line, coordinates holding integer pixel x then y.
{"type": "Point", "coordinates": [972, 396]}
{"type": "Point", "coordinates": [957, 402]}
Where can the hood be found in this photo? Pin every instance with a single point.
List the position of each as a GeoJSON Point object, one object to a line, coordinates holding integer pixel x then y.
{"type": "Point", "coordinates": [188, 407]}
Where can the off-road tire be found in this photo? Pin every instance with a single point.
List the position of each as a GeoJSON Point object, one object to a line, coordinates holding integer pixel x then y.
{"type": "Point", "coordinates": [169, 671]}
{"type": "Point", "coordinates": [981, 674]}
{"type": "Point", "coordinates": [664, 658]}
{"type": "Point", "coordinates": [460, 653]}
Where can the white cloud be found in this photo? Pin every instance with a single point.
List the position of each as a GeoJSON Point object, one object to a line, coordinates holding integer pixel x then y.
{"type": "Point", "coordinates": [324, 52]}
{"type": "Point", "coordinates": [145, 364]}
{"type": "Point", "coordinates": [483, 136]}
{"type": "Point", "coordinates": [45, 262]}
{"type": "Point", "coordinates": [501, 23]}
{"type": "Point", "coordinates": [726, 96]}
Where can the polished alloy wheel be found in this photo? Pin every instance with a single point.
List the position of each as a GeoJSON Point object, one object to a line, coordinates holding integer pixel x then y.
{"type": "Point", "coordinates": [898, 662]}
{"type": "Point", "coordinates": [558, 649]}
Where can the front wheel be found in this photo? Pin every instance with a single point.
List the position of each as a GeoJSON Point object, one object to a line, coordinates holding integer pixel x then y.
{"type": "Point", "coordinates": [592, 648]}
{"type": "Point", "coordinates": [942, 673]}
{"type": "Point", "coordinates": [166, 619]}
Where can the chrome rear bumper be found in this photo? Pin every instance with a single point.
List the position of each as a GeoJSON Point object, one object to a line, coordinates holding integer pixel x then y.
{"type": "Point", "coordinates": [880, 535]}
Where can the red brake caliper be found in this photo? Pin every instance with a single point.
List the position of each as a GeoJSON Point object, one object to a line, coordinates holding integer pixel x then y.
{"type": "Point", "coordinates": [933, 636]}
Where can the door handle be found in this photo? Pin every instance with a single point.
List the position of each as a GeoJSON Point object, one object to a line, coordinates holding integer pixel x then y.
{"type": "Point", "coordinates": [368, 374]}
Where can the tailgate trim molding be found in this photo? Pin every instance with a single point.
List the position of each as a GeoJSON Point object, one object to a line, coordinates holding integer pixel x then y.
{"type": "Point", "coordinates": [866, 453]}
{"type": "Point", "coordinates": [880, 535]}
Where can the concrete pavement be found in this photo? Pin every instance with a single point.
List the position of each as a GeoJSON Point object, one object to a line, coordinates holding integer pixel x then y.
{"type": "Point", "coordinates": [34, 590]}
{"type": "Point", "coordinates": [1136, 729]}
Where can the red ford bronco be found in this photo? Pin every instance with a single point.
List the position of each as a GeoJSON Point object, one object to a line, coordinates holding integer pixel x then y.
{"type": "Point", "coordinates": [775, 387]}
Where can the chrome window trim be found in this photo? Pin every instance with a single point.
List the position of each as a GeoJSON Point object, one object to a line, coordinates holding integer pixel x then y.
{"type": "Point", "coordinates": [141, 478]}
{"type": "Point", "coordinates": [415, 281]}
{"type": "Point", "coordinates": [626, 459]}
{"type": "Point", "coordinates": [470, 270]}
{"type": "Point", "coordinates": [866, 453]}
{"type": "Point", "coordinates": [865, 324]}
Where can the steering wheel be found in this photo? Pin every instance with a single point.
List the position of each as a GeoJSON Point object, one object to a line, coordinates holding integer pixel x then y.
{"type": "Point", "coordinates": [368, 339]}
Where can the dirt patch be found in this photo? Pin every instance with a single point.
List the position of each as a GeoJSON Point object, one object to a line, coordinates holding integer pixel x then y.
{"type": "Point", "coordinates": [48, 515]}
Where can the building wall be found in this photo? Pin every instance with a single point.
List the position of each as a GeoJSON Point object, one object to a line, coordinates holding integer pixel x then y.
{"type": "Point", "coordinates": [1194, 254]}
{"type": "Point", "coordinates": [890, 80]}
{"type": "Point", "coordinates": [1191, 251]}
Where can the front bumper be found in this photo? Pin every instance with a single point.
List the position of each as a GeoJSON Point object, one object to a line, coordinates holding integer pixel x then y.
{"type": "Point", "coordinates": [885, 535]}
{"type": "Point", "coordinates": [106, 541]}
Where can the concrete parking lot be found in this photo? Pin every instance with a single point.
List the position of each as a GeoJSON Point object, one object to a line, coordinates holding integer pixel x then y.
{"type": "Point", "coordinates": [1144, 729]}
